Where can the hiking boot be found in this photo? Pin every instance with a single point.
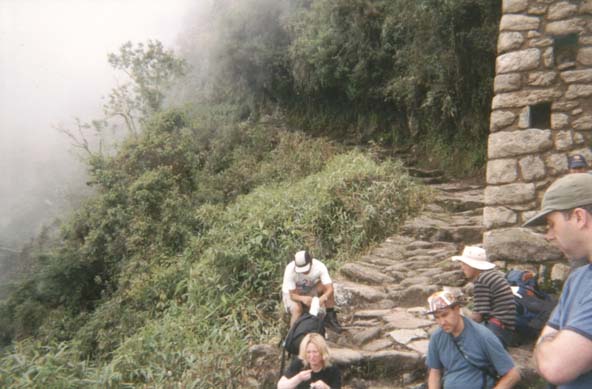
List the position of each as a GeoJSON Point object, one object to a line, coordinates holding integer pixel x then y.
{"type": "Point", "coordinates": [331, 322]}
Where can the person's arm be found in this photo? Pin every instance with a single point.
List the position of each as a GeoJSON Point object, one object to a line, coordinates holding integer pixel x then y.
{"type": "Point", "coordinates": [291, 383]}
{"type": "Point", "coordinates": [435, 379]}
{"type": "Point", "coordinates": [562, 356]}
{"type": "Point", "coordinates": [326, 295]}
{"type": "Point", "coordinates": [476, 316]}
{"type": "Point", "coordinates": [510, 379]}
{"type": "Point", "coordinates": [306, 300]}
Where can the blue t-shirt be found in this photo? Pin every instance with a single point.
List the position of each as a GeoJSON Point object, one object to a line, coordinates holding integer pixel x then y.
{"type": "Point", "coordinates": [574, 312]}
{"type": "Point", "coordinates": [480, 346]}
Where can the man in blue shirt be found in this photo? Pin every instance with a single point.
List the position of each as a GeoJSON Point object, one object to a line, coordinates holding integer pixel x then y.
{"type": "Point", "coordinates": [563, 352]}
{"type": "Point", "coordinates": [464, 354]}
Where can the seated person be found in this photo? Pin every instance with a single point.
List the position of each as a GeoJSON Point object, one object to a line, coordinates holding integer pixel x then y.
{"type": "Point", "coordinates": [464, 354]}
{"type": "Point", "coordinates": [494, 300]}
{"type": "Point", "coordinates": [304, 278]}
{"type": "Point", "coordinates": [312, 368]}
{"type": "Point", "coordinates": [577, 164]}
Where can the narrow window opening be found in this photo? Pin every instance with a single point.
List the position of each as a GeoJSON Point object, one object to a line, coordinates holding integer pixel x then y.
{"type": "Point", "coordinates": [566, 49]}
{"type": "Point", "coordinates": [540, 115]}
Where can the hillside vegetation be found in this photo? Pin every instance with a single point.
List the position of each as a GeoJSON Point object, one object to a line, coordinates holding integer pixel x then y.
{"type": "Point", "coordinates": [173, 267]}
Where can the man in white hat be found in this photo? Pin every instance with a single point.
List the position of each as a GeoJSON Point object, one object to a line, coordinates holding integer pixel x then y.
{"type": "Point", "coordinates": [494, 300]}
{"type": "Point", "coordinates": [463, 354]}
{"type": "Point", "coordinates": [305, 278]}
{"type": "Point", "coordinates": [563, 352]}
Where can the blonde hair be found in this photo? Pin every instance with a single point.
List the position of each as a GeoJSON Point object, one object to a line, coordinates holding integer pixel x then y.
{"type": "Point", "coordinates": [318, 341]}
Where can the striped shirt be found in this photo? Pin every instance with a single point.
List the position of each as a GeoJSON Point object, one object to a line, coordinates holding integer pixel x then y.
{"type": "Point", "coordinates": [494, 298]}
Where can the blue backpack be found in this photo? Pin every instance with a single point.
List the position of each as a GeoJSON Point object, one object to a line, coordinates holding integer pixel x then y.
{"type": "Point", "coordinates": [533, 308]}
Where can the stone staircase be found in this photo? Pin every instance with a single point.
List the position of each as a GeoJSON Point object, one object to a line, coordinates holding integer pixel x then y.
{"type": "Point", "coordinates": [382, 296]}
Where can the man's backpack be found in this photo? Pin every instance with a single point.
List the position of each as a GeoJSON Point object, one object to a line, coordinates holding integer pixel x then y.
{"type": "Point", "coordinates": [303, 326]}
{"type": "Point", "coordinates": [533, 306]}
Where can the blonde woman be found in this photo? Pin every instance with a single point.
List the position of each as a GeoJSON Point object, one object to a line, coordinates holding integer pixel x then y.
{"type": "Point", "coordinates": [312, 368]}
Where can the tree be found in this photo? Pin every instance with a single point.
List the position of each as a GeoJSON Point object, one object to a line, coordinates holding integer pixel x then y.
{"type": "Point", "coordinates": [152, 71]}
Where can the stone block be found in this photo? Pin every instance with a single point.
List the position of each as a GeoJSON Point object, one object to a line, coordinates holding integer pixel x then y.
{"type": "Point", "coordinates": [507, 82]}
{"type": "Point", "coordinates": [556, 164]}
{"type": "Point", "coordinates": [560, 272]}
{"type": "Point", "coordinates": [537, 9]}
{"type": "Point", "coordinates": [559, 120]}
{"type": "Point", "coordinates": [583, 123]}
{"type": "Point", "coordinates": [501, 119]}
{"type": "Point", "coordinates": [514, 6]}
{"type": "Point", "coordinates": [564, 105]}
{"type": "Point", "coordinates": [508, 41]}
{"type": "Point", "coordinates": [518, 61]}
{"type": "Point", "coordinates": [541, 78]}
{"type": "Point", "coordinates": [501, 171]}
{"type": "Point", "coordinates": [585, 40]}
{"type": "Point", "coordinates": [524, 118]}
{"type": "Point", "coordinates": [578, 138]}
{"type": "Point", "coordinates": [563, 140]}
{"type": "Point", "coordinates": [586, 7]}
{"type": "Point", "coordinates": [532, 167]}
{"type": "Point", "coordinates": [523, 98]}
{"type": "Point", "coordinates": [564, 27]}
{"type": "Point", "coordinates": [561, 10]}
{"type": "Point", "coordinates": [509, 194]}
{"type": "Point", "coordinates": [577, 111]}
{"type": "Point", "coordinates": [540, 42]}
{"type": "Point", "coordinates": [495, 217]}
{"type": "Point", "coordinates": [548, 58]}
{"type": "Point", "coordinates": [519, 23]}
{"type": "Point", "coordinates": [512, 143]}
{"type": "Point", "coordinates": [585, 56]}
{"type": "Point", "coordinates": [577, 76]}
{"type": "Point", "coordinates": [575, 91]}
{"type": "Point", "coordinates": [519, 245]}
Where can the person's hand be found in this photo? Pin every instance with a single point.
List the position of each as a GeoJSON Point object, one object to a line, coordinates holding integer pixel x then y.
{"type": "Point", "coordinates": [319, 385]}
{"type": "Point", "coordinates": [304, 375]}
{"type": "Point", "coordinates": [306, 300]}
{"type": "Point", "coordinates": [322, 301]}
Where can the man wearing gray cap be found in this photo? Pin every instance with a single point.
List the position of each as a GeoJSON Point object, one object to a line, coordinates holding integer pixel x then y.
{"type": "Point", "coordinates": [563, 352]}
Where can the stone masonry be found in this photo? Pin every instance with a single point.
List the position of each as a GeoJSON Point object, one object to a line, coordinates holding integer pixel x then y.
{"type": "Point", "coordinates": [541, 113]}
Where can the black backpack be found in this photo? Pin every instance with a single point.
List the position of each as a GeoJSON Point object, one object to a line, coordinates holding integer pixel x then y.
{"type": "Point", "coordinates": [303, 326]}
{"type": "Point", "coordinates": [533, 308]}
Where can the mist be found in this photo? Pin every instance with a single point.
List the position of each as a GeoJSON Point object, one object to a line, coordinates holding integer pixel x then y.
{"type": "Point", "coordinates": [53, 69]}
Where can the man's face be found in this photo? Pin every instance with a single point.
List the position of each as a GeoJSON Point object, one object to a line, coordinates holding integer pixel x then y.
{"type": "Point", "coordinates": [470, 273]}
{"type": "Point", "coordinates": [566, 233]}
{"type": "Point", "coordinates": [448, 318]}
{"type": "Point", "coordinates": [582, 169]}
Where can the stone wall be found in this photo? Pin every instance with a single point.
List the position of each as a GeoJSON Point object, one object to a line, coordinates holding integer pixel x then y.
{"type": "Point", "coordinates": [541, 111]}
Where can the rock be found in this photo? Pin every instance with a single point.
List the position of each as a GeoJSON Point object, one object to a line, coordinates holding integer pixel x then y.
{"type": "Point", "coordinates": [378, 344]}
{"type": "Point", "coordinates": [560, 272]}
{"type": "Point", "coordinates": [346, 356]}
{"type": "Point", "coordinates": [421, 346]}
{"type": "Point", "coordinates": [513, 143]}
{"type": "Point", "coordinates": [364, 336]}
{"type": "Point", "coordinates": [357, 272]}
{"type": "Point", "coordinates": [399, 319]}
{"type": "Point", "coordinates": [519, 245]}
{"type": "Point", "coordinates": [404, 336]}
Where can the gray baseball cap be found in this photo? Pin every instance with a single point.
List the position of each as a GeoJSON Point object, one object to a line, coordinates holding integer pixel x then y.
{"type": "Point", "coordinates": [568, 192]}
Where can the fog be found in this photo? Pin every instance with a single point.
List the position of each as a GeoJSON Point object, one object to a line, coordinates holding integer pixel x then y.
{"type": "Point", "coordinates": [53, 68]}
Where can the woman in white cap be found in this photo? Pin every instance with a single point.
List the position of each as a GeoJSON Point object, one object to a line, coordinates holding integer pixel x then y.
{"type": "Point", "coordinates": [494, 301]}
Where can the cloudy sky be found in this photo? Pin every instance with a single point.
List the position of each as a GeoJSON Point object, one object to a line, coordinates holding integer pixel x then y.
{"type": "Point", "coordinates": [53, 67]}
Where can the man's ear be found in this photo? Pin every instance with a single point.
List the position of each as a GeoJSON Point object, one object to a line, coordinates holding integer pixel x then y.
{"type": "Point", "coordinates": [583, 218]}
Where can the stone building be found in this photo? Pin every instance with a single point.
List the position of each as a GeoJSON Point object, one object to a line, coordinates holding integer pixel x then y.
{"type": "Point", "coordinates": [540, 114]}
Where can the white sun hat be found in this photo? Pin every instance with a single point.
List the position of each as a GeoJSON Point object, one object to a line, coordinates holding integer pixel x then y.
{"type": "Point", "coordinates": [475, 257]}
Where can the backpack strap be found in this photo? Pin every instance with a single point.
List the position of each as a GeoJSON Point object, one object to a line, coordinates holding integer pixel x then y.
{"type": "Point", "coordinates": [486, 371]}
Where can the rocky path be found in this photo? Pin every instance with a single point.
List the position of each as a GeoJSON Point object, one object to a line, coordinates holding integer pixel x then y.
{"type": "Point", "coordinates": [382, 295]}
